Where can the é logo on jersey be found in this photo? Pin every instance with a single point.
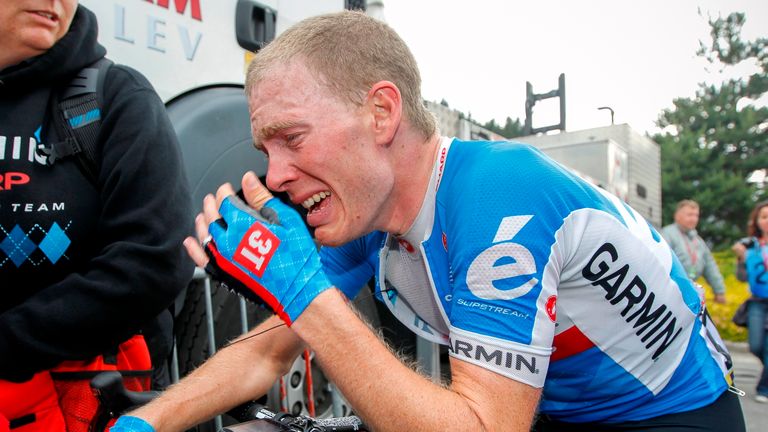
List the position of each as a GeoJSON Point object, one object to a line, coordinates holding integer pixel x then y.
{"type": "Point", "coordinates": [493, 264]}
{"type": "Point", "coordinates": [256, 249]}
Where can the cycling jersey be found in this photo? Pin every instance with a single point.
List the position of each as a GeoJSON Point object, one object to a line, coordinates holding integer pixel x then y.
{"type": "Point", "coordinates": [538, 274]}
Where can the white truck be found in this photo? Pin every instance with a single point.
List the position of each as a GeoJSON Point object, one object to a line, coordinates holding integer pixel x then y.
{"type": "Point", "coordinates": [195, 53]}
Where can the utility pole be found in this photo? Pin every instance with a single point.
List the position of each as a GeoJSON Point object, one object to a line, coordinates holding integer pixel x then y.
{"type": "Point", "coordinates": [530, 100]}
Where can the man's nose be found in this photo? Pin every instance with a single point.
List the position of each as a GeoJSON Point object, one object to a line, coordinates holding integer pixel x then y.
{"type": "Point", "coordinates": [280, 173]}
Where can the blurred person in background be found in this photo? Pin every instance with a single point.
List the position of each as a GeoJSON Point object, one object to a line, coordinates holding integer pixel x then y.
{"type": "Point", "coordinates": [692, 250]}
{"type": "Point", "coordinates": [752, 255]}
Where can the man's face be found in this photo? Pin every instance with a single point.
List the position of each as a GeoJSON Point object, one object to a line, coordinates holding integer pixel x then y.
{"type": "Point", "coordinates": [322, 153]}
{"type": "Point", "coordinates": [687, 217]}
{"type": "Point", "coordinates": [31, 27]}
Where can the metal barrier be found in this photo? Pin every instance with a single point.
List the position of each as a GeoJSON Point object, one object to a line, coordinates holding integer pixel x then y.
{"type": "Point", "coordinates": [427, 353]}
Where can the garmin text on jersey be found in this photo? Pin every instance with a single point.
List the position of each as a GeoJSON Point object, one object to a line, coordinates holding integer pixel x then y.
{"type": "Point", "coordinates": [630, 293]}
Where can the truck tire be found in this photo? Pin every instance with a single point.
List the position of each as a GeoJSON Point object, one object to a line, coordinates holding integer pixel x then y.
{"type": "Point", "coordinates": [214, 132]}
{"type": "Point", "coordinates": [192, 337]}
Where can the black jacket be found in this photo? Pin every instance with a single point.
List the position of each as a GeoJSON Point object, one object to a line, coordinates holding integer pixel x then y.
{"type": "Point", "coordinates": [83, 266]}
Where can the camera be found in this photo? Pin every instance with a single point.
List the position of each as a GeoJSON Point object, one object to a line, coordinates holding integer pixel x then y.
{"type": "Point", "coordinates": [748, 242]}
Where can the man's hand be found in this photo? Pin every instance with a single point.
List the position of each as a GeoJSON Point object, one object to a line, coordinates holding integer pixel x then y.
{"type": "Point", "coordinates": [740, 250]}
{"type": "Point", "coordinates": [720, 298]}
{"type": "Point", "coordinates": [264, 252]}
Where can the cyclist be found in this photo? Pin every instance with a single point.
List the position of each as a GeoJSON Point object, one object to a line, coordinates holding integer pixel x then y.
{"type": "Point", "coordinates": [549, 292]}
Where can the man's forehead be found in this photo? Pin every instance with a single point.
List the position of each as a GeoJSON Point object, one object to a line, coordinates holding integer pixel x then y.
{"type": "Point", "coordinates": [687, 211]}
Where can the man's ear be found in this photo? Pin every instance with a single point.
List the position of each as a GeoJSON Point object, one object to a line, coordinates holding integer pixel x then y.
{"type": "Point", "coordinates": [386, 106]}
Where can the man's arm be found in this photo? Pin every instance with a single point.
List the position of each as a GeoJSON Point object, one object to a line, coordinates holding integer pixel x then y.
{"type": "Point", "coordinates": [242, 371]}
{"type": "Point", "coordinates": [741, 266]}
{"type": "Point", "coordinates": [389, 396]}
{"type": "Point", "coordinates": [386, 393]}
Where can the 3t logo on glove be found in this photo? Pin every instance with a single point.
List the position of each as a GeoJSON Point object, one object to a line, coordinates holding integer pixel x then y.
{"type": "Point", "coordinates": [256, 249]}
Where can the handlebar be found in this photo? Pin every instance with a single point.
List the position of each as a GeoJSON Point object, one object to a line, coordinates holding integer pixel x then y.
{"type": "Point", "coordinates": [268, 421]}
{"type": "Point", "coordinates": [114, 400]}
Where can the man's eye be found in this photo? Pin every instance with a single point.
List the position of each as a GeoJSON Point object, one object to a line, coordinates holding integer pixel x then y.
{"type": "Point", "coordinates": [261, 148]}
{"type": "Point", "coordinates": [291, 139]}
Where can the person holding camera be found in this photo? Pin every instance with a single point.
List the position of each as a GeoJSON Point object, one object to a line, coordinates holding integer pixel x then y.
{"type": "Point", "coordinates": [752, 255]}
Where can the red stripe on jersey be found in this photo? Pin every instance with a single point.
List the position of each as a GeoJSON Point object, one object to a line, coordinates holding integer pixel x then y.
{"type": "Point", "coordinates": [570, 342]}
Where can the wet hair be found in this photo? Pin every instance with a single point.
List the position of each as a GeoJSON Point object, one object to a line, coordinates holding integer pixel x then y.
{"type": "Point", "coordinates": [350, 52]}
{"type": "Point", "coordinates": [752, 228]}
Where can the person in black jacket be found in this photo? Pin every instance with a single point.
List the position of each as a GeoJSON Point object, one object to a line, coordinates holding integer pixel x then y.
{"type": "Point", "coordinates": [85, 264]}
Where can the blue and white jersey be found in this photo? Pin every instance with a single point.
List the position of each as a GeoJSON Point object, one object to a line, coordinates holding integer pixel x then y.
{"type": "Point", "coordinates": [756, 260]}
{"type": "Point", "coordinates": [546, 279]}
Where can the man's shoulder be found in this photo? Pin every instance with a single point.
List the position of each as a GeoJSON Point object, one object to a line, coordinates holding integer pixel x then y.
{"type": "Point", "coordinates": [514, 178]}
{"type": "Point", "coordinates": [669, 230]}
{"type": "Point", "coordinates": [498, 149]}
{"type": "Point", "coordinates": [128, 92]}
{"type": "Point", "coordinates": [123, 80]}
{"type": "Point", "coordinates": [500, 164]}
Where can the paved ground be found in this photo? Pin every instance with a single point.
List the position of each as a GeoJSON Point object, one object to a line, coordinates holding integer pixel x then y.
{"type": "Point", "coordinates": [747, 369]}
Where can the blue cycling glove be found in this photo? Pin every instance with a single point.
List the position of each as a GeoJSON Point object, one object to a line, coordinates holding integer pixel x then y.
{"type": "Point", "coordinates": [131, 424]}
{"type": "Point", "coordinates": [266, 256]}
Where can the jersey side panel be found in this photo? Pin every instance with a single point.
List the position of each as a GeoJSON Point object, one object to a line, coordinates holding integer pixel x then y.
{"type": "Point", "coordinates": [350, 266]}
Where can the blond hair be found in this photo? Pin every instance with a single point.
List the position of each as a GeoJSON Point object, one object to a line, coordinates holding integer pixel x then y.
{"type": "Point", "coordinates": [351, 51]}
{"type": "Point", "coordinates": [686, 203]}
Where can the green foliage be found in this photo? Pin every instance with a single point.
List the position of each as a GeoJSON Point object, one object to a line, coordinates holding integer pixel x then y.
{"type": "Point", "coordinates": [736, 292]}
{"type": "Point", "coordinates": [712, 143]}
{"type": "Point", "coordinates": [511, 129]}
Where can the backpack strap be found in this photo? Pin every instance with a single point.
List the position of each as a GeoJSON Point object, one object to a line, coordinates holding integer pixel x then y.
{"type": "Point", "coordinates": [76, 111]}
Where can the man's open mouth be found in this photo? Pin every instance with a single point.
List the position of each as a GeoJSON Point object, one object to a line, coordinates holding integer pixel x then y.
{"type": "Point", "coordinates": [312, 203]}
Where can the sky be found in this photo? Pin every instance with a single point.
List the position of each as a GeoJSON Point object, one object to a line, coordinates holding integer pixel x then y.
{"type": "Point", "coordinates": [633, 56]}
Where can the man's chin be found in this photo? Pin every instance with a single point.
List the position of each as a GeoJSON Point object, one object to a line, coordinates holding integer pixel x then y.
{"type": "Point", "coordinates": [327, 240]}
{"type": "Point", "coordinates": [327, 236]}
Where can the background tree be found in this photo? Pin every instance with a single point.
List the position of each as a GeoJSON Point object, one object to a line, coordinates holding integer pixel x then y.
{"type": "Point", "coordinates": [511, 129]}
{"type": "Point", "coordinates": [714, 141]}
